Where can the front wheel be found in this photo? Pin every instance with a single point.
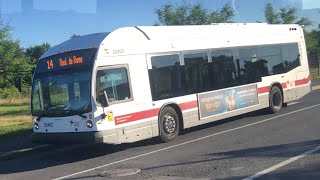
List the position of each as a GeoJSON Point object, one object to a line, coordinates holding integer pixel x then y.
{"type": "Point", "coordinates": [275, 100]}
{"type": "Point", "coordinates": [168, 124]}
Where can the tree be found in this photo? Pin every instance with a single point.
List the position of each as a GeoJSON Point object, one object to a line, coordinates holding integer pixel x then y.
{"type": "Point", "coordinates": [35, 52]}
{"type": "Point", "coordinates": [13, 61]}
{"type": "Point", "coordinates": [286, 15]}
{"type": "Point", "coordinates": [74, 36]}
{"type": "Point", "coordinates": [186, 14]}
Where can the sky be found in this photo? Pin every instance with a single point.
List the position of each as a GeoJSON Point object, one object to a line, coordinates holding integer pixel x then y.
{"type": "Point", "coordinates": [54, 21]}
{"type": "Point", "coordinates": [310, 4]}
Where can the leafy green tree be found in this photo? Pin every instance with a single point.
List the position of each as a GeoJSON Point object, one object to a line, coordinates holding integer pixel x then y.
{"type": "Point", "coordinates": [35, 52]}
{"type": "Point", "coordinates": [74, 36]}
{"type": "Point", "coordinates": [225, 15]}
{"type": "Point", "coordinates": [286, 15]}
{"type": "Point", "coordinates": [14, 64]}
{"type": "Point", "coordinates": [312, 41]}
{"type": "Point", "coordinates": [187, 14]}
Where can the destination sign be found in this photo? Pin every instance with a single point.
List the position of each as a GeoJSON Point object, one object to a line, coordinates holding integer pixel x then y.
{"type": "Point", "coordinates": [67, 60]}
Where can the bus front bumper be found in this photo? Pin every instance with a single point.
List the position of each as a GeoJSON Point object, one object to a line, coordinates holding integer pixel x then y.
{"type": "Point", "coordinates": [54, 138]}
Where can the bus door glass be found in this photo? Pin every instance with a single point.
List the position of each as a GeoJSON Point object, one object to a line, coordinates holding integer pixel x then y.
{"type": "Point", "coordinates": [113, 93]}
{"type": "Point", "coordinates": [114, 82]}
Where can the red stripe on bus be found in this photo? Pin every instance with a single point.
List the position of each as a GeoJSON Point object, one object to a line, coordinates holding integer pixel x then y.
{"type": "Point", "coordinates": [136, 116]}
{"type": "Point", "coordinates": [284, 85]}
{"type": "Point", "coordinates": [263, 90]}
{"type": "Point", "coordinates": [302, 81]}
{"type": "Point", "coordinates": [188, 105]}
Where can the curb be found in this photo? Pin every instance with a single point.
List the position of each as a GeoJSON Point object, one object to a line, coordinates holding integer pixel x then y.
{"type": "Point", "coordinates": [18, 153]}
{"type": "Point", "coordinates": [315, 87]}
{"type": "Point", "coordinates": [13, 154]}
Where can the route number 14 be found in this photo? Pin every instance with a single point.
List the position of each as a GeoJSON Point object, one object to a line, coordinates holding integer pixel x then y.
{"type": "Point", "coordinates": [50, 64]}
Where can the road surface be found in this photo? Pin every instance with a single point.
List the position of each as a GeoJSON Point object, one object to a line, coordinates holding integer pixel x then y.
{"type": "Point", "coordinates": [253, 146]}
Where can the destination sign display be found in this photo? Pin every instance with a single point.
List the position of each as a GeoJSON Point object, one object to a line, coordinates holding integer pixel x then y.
{"type": "Point", "coordinates": [67, 60]}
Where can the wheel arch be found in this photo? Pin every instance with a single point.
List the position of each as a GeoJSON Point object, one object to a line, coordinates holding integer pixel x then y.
{"type": "Point", "coordinates": [178, 110]}
{"type": "Point", "coordinates": [277, 84]}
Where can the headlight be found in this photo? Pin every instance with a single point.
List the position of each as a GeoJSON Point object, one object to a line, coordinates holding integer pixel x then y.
{"type": "Point", "coordinates": [36, 126]}
{"type": "Point", "coordinates": [89, 124]}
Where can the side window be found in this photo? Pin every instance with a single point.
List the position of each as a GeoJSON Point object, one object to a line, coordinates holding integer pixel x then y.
{"type": "Point", "coordinates": [37, 101]}
{"type": "Point", "coordinates": [224, 73]}
{"type": "Point", "coordinates": [196, 72]}
{"type": "Point", "coordinates": [116, 84]}
{"type": "Point", "coordinates": [272, 56]}
{"type": "Point", "coordinates": [251, 68]}
{"type": "Point", "coordinates": [165, 77]}
{"type": "Point", "coordinates": [290, 56]}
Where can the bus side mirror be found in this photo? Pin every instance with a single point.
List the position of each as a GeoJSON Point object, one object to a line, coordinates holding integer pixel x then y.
{"type": "Point", "coordinates": [103, 99]}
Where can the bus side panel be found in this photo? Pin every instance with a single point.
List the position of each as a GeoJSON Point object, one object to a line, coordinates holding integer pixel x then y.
{"type": "Point", "coordinates": [134, 132]}
{"type": "Point", "coordinates": [288, 85]}
{"type": "Point", "coordinates": [303, 82]}
{"type": "Point", "coordinates": [132, 120]}
{"type": "Point", "coordinates": [191, 118]}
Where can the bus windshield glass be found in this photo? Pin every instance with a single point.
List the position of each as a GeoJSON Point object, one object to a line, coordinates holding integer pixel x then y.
{"type": "Point", "coordinates": [62, 84]}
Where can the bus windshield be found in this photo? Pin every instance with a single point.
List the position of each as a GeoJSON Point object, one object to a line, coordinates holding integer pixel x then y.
{"type": "Point", "coordinates": [61, 87]}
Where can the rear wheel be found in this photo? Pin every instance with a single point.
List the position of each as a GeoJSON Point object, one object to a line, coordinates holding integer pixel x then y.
{"type": "Point", "coordinates": [275, 100]}
{"type": "Point", "coordinates": [168, 124]}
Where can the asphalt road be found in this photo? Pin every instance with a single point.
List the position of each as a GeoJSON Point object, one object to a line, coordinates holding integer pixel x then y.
{"type": "Point", "coordinates": [257, 145]}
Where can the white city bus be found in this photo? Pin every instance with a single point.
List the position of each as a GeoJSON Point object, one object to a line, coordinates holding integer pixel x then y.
{"type": "Point", "coordinates": [142, 82]}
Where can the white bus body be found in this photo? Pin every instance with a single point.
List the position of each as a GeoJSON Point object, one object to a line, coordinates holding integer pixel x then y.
{"type": "Point", "coordinates": [138, 52]}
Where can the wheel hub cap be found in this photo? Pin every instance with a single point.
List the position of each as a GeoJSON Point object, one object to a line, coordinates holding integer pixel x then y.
{"type": "Point", "coordinates": [169, 123]}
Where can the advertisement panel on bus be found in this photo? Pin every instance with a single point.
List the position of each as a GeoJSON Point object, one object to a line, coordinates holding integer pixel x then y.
{"type": "Point", "coordinates": [222, 101]}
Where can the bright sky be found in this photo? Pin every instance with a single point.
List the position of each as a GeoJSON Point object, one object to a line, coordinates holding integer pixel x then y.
{"type": "Point", "coordinates": [310, 4]}
{"type": "Point", "coordinates": [54, 21]}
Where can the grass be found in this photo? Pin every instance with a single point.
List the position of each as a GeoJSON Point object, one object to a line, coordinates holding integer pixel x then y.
{"type": "Point", "coordinates": [314, 73]}
{"type": "Point", "coordinates": [15, 119]}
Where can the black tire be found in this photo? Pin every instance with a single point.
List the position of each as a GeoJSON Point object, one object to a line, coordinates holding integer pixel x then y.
{"type": "Point", "coordinates": [275, 100]}
{"type": "Point", "coordinates": [168, 124]}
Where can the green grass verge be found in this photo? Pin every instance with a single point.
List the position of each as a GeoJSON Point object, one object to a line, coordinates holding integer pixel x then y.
{"type": "Point", "coordinates": [15, 119]}
{"type": "Point", "coordinates": [22, 130]}
{"type": "Point", "coordinates": [314, 73]}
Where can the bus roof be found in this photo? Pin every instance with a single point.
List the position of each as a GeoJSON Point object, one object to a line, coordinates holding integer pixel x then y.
{"type": "Point", "coordinates": [133, 36]}
{"type": "Point", "coordinates": [82, 42]}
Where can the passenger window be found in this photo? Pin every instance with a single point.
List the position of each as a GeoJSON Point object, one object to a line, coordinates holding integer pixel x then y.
{"type": "Point", "coordinates": [290, 56]}
{"type": "Point", "coordinates": [165, 61]}
{"type": "Point", "coordinates": [116, 84]}
{"type": "Point", "coordinates": [165, 77]}
{"type": "Point", "coordinates": [251, 68]}
{"type": "Point", "coordinates": [272, 55]}
{"type": "Point", "coordinates": [224, 72]}
{"type": "Point", "coordinates": [196, 72]}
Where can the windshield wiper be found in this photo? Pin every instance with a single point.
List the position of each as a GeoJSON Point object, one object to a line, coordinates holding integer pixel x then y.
{"type": "Point", "coordinates": [70, 112]}
{"type": "Point", "coordinates": [77, 112]}
{"type": "Point", "coordinates": [45, 112]}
